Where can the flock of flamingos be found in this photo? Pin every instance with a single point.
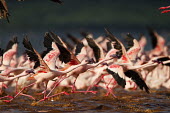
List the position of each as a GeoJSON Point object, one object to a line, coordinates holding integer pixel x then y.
{"type": "Point", "coordinates": [104, 62]}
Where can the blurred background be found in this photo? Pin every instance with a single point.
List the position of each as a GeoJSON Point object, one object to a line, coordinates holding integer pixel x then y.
{"type": "Point", "coordinates": [35, 17]}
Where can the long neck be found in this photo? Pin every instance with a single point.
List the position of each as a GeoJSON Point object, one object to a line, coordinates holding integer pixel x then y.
{"type": "Point", "coordinates": [143, 66]}
{"type": "Point", "coordinates": [74, 67]}
{"type": "Point", "coordinates": [96, 64]}
{"type": "Point", "coordinates": [4, 78]}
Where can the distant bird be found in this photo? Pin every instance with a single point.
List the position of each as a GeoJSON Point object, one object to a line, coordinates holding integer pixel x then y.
{"type": "Point", "coordinates": [165, 9]}
{"type": "Point", "coordinates": [4, 10]}
{"type": "Point", "coordinates": [57, 1]}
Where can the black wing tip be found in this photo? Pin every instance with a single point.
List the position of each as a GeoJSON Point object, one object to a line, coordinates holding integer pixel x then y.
{"type": "Point", "coordinates": [84, 33]}
{"type": "Point", "coordinates": [147, 90]}
{"type": "Point", "coordinates": [78, 48]}
{"type": "Point", "coordinates": [27, 44]}
{"type": "Point", "coordinates": [73, 38]}
{"type": "Point", "coordinates": [1, 52]}
{"type": "Point", "coordinates": [129, 35]}
{"type": "Point", "coordinates": [118, 79]}
{"type": "Point", "coordinates": [48, 40]}
{"type": "Point", "coordinates": [137, 79]}
{"type": "Point", "coordinates": [13, 41]}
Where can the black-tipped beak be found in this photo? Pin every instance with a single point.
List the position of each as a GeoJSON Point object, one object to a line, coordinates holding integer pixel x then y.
{"type": "Point", "coordinates": [114, 56]}
{"type": "Point", "coordinates": [30, 71]}
{"type": "Point", "coordinates": [105, 64]}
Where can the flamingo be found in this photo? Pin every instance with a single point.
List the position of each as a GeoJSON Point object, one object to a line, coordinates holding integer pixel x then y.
{"type": "Point", "coordinates": [44, 74]}
{"type": "Point", "coordinates": [158, 43]}
{"type": "Point", "coordinates": [165, 9]}
{"type": "Point", "coordinates": [4, 10]}
{"type": "Point", "coordinates": [122, 66]}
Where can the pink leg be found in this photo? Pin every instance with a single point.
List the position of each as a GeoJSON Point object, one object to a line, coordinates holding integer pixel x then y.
{"type": "Point", "coordinates": [56, 84]}
{"type": "Point", "coordinates": [28, 96]}
{"type": "Point", "coordinates": [95, 82]}
{"type": "Point", "coordinates": [109, 90]}
{"type": "Point", "coordinates": [16, 88]}
{"type": "Point", "coordinates": [8, 96]}
{"type": "Point", "coordinates": [53, 96]}
{"type": "Point", "coordinates": [74, 89]}
{"type": "Point", "coordinates": [20, 93]}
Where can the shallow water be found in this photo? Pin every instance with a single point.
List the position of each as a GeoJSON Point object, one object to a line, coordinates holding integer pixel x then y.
{"type": "Point", "coordinates": [134, 101]}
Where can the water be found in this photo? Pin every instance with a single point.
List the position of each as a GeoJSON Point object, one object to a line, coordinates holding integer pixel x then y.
{"type": "Point", "coordinates": [136, 101]}
{"type": "Point", "coordinates": [133, 101]}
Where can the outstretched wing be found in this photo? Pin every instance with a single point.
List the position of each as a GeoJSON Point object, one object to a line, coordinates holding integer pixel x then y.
{"type": "Point", "coordinates": [66, 55]}
{"type": "Point", "coordinates": [97, 50]}
{"type": "Point", "coordinates": [133, 47]}
{"type": "Point", "coordinates": [33, 54]}
{"type": "Point", "coordinates": [154, 39]}
{"type": "Point", "coordinates": [73, 38]}
{"type": "Point", "coordinates": [117, 44]}
{"type": "Point", "coordinates": [137, 79]}
{"type": "Point", "coordinates": [10, 51]}
{"type": "Point", "coordinates": [78, 48]}
{"type": "Point", "coordinates": [117, 72]}
{"type": "Point", "coordinates": [121, 54]}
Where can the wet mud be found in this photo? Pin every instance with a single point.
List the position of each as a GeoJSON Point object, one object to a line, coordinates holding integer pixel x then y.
{"type": "Point", "coordinates": [126, 101]}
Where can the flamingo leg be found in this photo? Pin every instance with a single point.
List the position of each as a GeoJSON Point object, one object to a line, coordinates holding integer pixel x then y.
{"type": "Point", "coordinates": [95, 82]}
{"type": "Point", "coordinates": [19, 93]}
{"type": "Point", "coordinates": [74, 89]}
{"type": "Point", "coordinates": [56, 84]}
{"type": "Point", "coordinates": [109, 90]}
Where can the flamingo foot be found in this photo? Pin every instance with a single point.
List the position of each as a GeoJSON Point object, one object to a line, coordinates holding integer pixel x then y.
{"type": "Point", "coordinates": [45, 98]}
{"type": "Point", "coordinates": [109, 91]}
{"type": "Point", "coordinates": [8, 96]}
{"type": "Point", "coordinates": [94, 92]}
{"type": "Point", "coordinates": [7, 101]}
{"type": "Point", "coordinates": [28, 96]}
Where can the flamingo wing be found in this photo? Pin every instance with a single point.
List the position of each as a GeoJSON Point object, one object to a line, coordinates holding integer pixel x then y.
{"type": "Point", "coordinates": [73, 38]}
{"type": "Point", "coordinates": [1, 52]}
{"type": "Point", "coordinates": [78, 48]}
{"type": "Point", "coordinates": [10, 51]}
{"type": "Point", "coordinates": [30, 52]}
{"type": "Point", "coordinates": [117, 72]}
{"type": "Point", "coordinates": [165, 58]}
{"type": "Point", "coordinates": [137, 79]}
{"type": "Point", "coordinates": [133, 47]}
{"type": "Point", "coordinates": [154, 39]}
{"type": "Point", "coordinates": [121, 54]}
{"type": "Point", "coordinates": [97, 50]}
{"type": "Point", "coordinates": [65, 54]}
{"type": "Point", "coordinates": [10, 44]}
{"type": "Point", "coordinates": [58, 1]}
{"type": "Point", "coordinates": [58, 39]}
{"type": "Point", "coordinates": [109, 46]}
{"type": "Point", "coordinates": [34, 55]}
{"type": "Point", "coordinates": [117, 44]}
{"type": "Point", "coordinates": [1, 55]}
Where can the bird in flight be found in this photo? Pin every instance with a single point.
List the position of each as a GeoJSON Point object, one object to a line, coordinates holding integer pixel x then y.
{"type": "Point", "coordinates": [4, 10]}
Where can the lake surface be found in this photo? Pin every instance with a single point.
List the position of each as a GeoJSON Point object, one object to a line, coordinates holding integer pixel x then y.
{"type": "Point", "coordinates": [127, 101]}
